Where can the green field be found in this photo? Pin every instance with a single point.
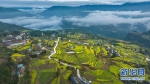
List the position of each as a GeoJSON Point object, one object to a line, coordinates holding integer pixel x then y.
{"type": "Point", "coordinates": [92, 59]}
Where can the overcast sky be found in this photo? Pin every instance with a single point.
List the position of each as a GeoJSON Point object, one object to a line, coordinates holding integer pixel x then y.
{"type": "Point", "coordinates": [48, 3]}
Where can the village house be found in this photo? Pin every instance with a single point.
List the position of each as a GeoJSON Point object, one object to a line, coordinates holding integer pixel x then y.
{"type": "Point", "coordinates": [11, 41]}
{"type": "Point", "coordinates": [20, 70]}
{"type": "Point", "coordinates": [86, 43]}
{"type": "Point", "coordinates": [69, 41]}
{"type": "Point", "coordinates": [71, 52]}
{"type": "Point", "coordinates": [147, 59]}
{"type": "Point", "coordinates": [113, 52]}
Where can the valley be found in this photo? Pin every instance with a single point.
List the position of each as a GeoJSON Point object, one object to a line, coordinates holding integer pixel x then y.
{"type": "Point", "coordinates": [98, 60]}
{"type": "Point", "coordinates": [74, 42]}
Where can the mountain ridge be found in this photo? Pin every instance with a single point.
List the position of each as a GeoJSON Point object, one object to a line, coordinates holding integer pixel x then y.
{"type": "Point", "coordinates": [11, 13]}
{"type": "Point", "coordinates": [69, 10]}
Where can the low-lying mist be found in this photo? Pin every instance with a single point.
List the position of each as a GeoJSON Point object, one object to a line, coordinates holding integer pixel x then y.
{"type": "Point", "coordinates": [94, 18]}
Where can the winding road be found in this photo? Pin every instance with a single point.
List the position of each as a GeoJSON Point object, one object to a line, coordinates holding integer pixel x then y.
{"type": "Point", "coordinates": [78, 73]}
{"type": "Point", "coordinates": [54, 52]}
{"type": "Point", "coordinates": [54, 48]}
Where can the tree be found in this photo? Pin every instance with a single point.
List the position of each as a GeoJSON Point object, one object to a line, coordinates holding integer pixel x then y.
{"type": "Point", "coordinates": [33, 55]}
{"type": "Point", "coordinates": [43, 52]}
{"type": "Point", "coordinates": [15, 32]}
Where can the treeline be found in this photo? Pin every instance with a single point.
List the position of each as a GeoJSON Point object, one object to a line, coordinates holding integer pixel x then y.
{"type": "Point", "coordinates": [14, 33]}
{"type": "Point", "coordinates": [6, 76]}
{"type": "Point", "coordinates": [37, 33]}
{"type": "Point", "coordinates": [11, 27]}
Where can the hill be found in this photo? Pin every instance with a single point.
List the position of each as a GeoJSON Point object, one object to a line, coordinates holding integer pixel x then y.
{"type": "Point", "coordinates": [82, 10]}
{"type": "Point", "coordinates": [118, 31]}
{"type": "Point", "coordinates": [142, 38]}
{"type": "Point", "coordinates": [98, 59]}
{"type": "Point", "coordinates": [11, 13]}
{"type": "Point", "coordinates": [11, 27]}
{"type": "Point", "coordinates": [111, 31]}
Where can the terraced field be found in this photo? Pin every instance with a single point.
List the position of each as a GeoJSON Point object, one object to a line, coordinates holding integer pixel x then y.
{"type": "Point", "coordinates": [92, 57]}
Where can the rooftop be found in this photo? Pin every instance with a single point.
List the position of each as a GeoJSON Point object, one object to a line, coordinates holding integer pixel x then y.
{"type": "Point", "coordinates": [20, 66]}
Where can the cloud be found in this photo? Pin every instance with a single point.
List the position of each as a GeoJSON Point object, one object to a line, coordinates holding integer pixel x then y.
{"type": "Point", "coordinates": [147, 25]}
{"type": "Point", "coordinates": [109, 17]}
{"type": "Point", "coordinates": [49, 3]}
{"type": "Point", "coordinates": [123, 13]}
{"type": "Point", "coordinates": [52, 23]}
{"type": "Point", "coordinates": [101, 1]}
{"type": "Point", "coordinates": [94, 18]}
{"type": "Point", "coordinates": [33, 10]}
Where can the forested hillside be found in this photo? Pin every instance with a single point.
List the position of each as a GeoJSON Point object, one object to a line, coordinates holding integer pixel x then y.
{"type": "Point", "coordinates": [11, 13]}
{"type": "Point", "coordinates": [140, 38]}
{"type": "Point", "coordinates": [11, 27]}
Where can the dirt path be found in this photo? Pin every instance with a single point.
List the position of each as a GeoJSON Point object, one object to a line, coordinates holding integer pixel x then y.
{"type": "Point", "coordinates": [78, 72]}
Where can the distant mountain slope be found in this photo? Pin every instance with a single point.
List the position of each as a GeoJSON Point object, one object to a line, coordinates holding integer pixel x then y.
{"type": "Point", "coordinates": [81, 10]}
{"type": "Point", "coordinates": [142, 38]}
{"type": "Point", "coordinates": [120, 31]}
{"type": "Point", "coordinates": [11, 13]}
{"type": "Point", "coordinates": [11, 27]}
{"type": "Point", "coordinates": [63, 11]}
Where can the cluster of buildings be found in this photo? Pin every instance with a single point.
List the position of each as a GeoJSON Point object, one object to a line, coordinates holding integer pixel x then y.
{"type": "Point", "coordinates": [112, 51]}
{"type": "Point", "coordinates": [11, 40]}
{"type": "Point", "coordinates": [37, 48]}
